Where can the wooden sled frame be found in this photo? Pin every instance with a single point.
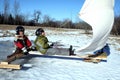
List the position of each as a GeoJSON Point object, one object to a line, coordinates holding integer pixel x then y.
{"type": "Point", "coordinates": [76, 57]}
{"type": "Point", "coordinates": [5, 65]}
{"type": "Point", "coordinates": [63, 57]}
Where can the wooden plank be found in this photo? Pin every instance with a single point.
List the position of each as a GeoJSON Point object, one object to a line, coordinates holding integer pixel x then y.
{"type": "Point", "coordinates": [92, 60]}
{"type": "Point", "coordinates": [4, 63]}
{"type": "Point", "coordinates": [98, 57]}
{"type": "Point", "coordinates": [9, 66]}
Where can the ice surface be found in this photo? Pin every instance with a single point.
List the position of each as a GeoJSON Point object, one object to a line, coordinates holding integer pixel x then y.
{"type": "Point", "coordinates": [63, 69]}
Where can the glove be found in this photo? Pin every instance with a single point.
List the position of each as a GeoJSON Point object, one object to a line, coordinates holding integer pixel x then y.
{"type": "Point", "coordinates": [51, 45]}
{"type": "Point", "coordinates": [25, 51]}
{"type": "Point", "coordinates": [33, 48]}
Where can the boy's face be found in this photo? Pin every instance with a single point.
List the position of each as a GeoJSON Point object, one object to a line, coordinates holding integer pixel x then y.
{"type": "Point", "coordinates": [21, 33]}
{"type": "Point", "coordinates": [43, 33]}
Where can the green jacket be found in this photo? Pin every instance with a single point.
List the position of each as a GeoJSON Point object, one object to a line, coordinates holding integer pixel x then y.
{"type": "Point", "coordinates": [41, 43]}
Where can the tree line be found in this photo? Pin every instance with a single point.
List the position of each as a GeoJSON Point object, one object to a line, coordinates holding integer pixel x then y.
{"type": "Point", "coordinates": [17, 18]}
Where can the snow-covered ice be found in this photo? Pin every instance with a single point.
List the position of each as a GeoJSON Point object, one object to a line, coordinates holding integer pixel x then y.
{"type": "Point", "coordinates": [62, 69]}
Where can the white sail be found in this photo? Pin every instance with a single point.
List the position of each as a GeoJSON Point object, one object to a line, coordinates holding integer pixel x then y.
{"type": "Point", "coordinates": [99, 14]}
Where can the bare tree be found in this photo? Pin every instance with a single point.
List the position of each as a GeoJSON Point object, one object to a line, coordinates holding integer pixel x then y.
{"type": "Point", "coordinates": [6, 10]}
{"type": "Point", "coordinates": [46, 19]}
{"type": "Point", "coordinates": [16, 8]}
{"type": "Point", "coordinates": [36, 16]}
{"type": "Point", "coordinates": [66, 23]}
{"type": "Point", "coordinates": [19, 18]}
{"type": "Point", "coordinates": [116, 26]}
{"type": "Point", "coordinates": [16, 11]}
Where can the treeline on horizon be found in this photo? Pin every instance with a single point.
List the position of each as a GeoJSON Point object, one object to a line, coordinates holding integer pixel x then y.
{"type": "Point", "coordinates": [17, 18]}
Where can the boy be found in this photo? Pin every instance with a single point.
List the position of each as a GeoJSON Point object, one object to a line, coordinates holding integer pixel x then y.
{"type": "Point", "coordinates": [22, 43]}
{"type": "Point", "coordinates": [43, 47]}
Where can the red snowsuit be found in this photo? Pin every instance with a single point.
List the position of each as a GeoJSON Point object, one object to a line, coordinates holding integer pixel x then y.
{"type": "Point", "coordinates": [21, 43]}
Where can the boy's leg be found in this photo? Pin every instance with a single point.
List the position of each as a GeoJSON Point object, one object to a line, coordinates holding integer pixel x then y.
{"type": "Point", "coordinates": [17, 54]}
{"type": "Point", "coordinates": [57, 51]}
{"type": "Point", "coordinates": [60, 51]}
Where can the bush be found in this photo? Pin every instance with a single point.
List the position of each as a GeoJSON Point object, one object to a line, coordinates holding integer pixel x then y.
{"type": "Point", "coordinates": [116, 26]}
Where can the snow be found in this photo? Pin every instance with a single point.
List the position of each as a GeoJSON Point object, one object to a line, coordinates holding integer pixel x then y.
{"type": "Point", "coordinates": [62, 69]}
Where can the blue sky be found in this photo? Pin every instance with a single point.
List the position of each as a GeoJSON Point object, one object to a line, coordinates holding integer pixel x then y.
{"type": "Point", "coordinates": [57, 9]}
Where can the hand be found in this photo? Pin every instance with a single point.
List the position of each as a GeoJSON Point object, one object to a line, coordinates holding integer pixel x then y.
{"type": "Point", "coordinates": [24, 50]}
{"type": "Point", "coordinates": [26, 53]}
{"type": "Point", "coordinates": [17, 37]}
{"type": "Point", "coordinates": [52, 44]}
{"type": "Point", "coordinates": [33, 48]}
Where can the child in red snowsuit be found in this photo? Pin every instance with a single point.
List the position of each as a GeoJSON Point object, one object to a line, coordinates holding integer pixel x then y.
{"type": "Point", "coordinates": [22, 43]}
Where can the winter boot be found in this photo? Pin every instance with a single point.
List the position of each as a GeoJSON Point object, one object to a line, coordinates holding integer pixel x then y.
{"type": "Point", "coordinates": [71, 51]}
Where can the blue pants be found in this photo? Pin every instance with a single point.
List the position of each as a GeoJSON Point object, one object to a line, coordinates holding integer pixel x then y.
{"type": "Point", "coordinates": [105, 49]}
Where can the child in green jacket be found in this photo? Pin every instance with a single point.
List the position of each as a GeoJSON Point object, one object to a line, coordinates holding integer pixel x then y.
{"type": "Point", "coordinates": [41, 43]}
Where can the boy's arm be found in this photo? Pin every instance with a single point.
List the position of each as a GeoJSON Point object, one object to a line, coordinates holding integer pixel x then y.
{"type": "Point", "coordinates": [17, 42]}
{"type": "Point", "coordinates": [29, 44]}
{"type": "Point", "coordinates": [45, 43]}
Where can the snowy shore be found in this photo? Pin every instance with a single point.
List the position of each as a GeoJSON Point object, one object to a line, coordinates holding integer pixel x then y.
{"type": "Point", "coordinates": [62, 69]}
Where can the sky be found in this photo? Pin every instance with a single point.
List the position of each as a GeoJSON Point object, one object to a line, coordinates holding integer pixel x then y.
{"type": "Point", "coordinates": [57, 9]}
